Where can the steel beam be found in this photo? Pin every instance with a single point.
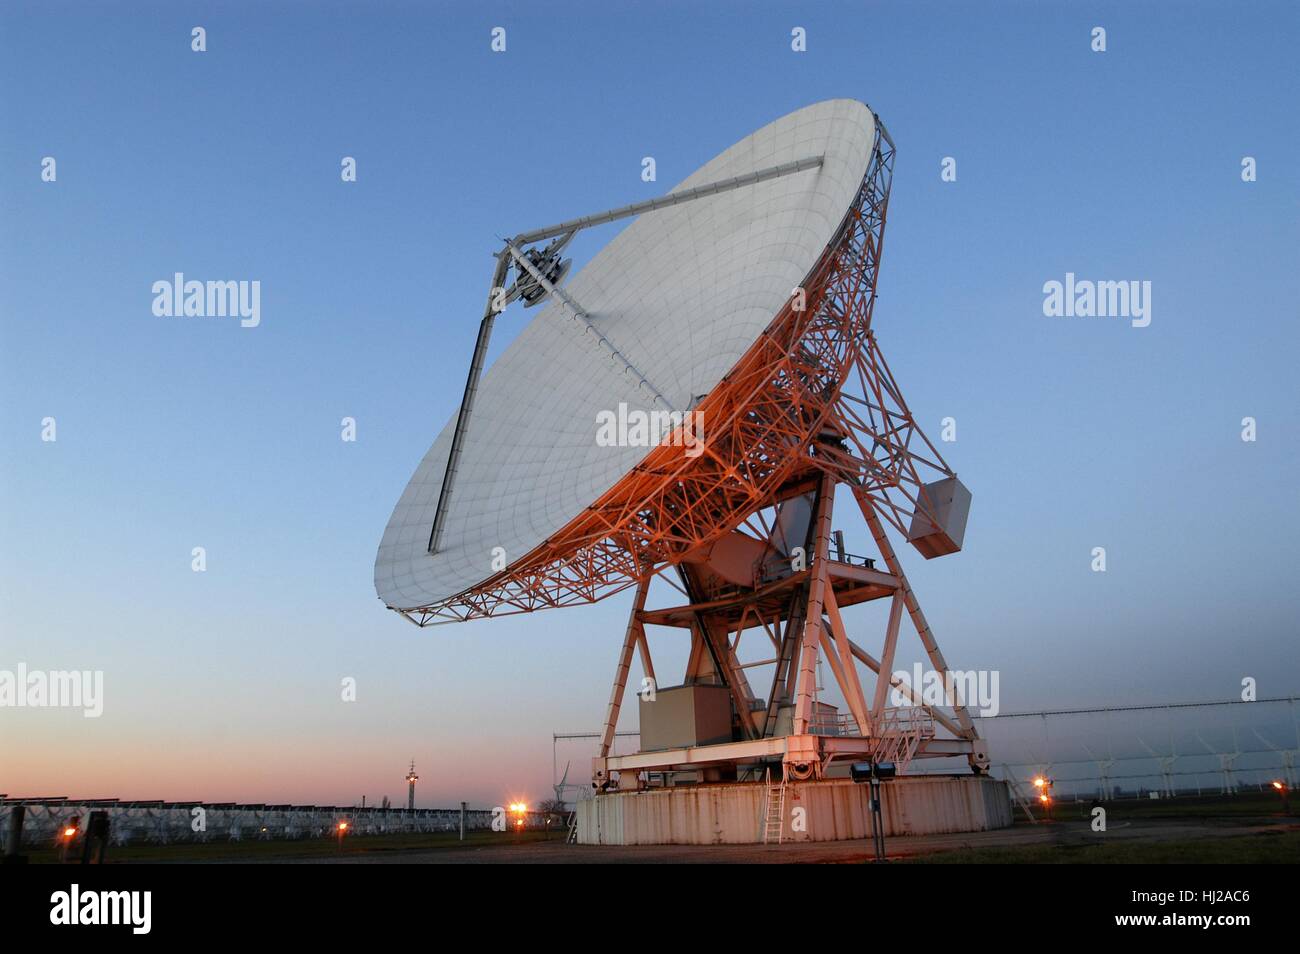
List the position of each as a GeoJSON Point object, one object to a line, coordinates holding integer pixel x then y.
{"type": "Point", "coordinates": [887, 657]}
{"type": "Point", "coordinates": [576, 312]}
{"type": "Point", "coordinates": [873, 664]}
{"type": "Point", "coordinates": [817, 584]}
{"type": "Point", "coordinates": [667, 201]}
{"type": "Point", "coordinates": [851, 686]}
{"type": "Point", "coordinates": [624, 663]}
{"type": "Point", "coordinates": [698, 755]}
{"type": "Point", "coordinates": [467, 403]}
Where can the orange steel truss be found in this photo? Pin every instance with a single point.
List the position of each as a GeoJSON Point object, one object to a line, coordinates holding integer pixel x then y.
{"type": "Point", "coordinates": [813, 396]}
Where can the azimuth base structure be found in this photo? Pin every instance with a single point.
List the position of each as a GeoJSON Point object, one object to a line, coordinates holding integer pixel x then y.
{"type": "Point", "coordinates": [816, 409]}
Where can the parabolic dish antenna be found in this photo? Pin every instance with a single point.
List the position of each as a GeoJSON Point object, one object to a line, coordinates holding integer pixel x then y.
{"type": "Point", "coordinates": [519, 506]}
{"type": "Point", "coordinates": [685, 408]}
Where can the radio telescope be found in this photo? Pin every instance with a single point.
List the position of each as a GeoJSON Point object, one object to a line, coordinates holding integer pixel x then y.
{"type": "Point", "coordinates": [735, 312]}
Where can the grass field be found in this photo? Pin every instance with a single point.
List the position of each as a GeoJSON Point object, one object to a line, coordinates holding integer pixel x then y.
{"type": "Point", "coordinates": [1279, 848]}
{"type": "Point", "coordinates": [306, 848]}
{"type": "Point", "coordinates": [1250, 805]}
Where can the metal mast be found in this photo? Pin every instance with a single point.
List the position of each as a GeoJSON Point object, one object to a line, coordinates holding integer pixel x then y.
{"type": "Point", "coordinates": [411, 779]}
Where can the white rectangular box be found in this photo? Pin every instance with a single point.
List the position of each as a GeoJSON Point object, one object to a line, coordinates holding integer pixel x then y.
{"type": "Point", "coordinates": [684, 716]}
{"type": "Point", "coordinates": [950, 501]}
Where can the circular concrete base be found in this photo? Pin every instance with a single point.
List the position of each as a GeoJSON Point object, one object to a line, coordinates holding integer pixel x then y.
{"type": "Point", "coordinates": [826, 810]}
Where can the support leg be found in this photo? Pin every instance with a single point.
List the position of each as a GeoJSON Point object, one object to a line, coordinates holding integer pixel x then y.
{"type": "Point", "coordinates": [849, 683]}
{"type": "Point", "coordinates": [887, 658]}
{"type": "Point", "coordinates": [817, 585]}
{"type": "Point", "coordinates": [643, 649]}
{"type": "Point", "coordinates": [634, 631]}
{"type": "Point", "coordinates": [914, 610]}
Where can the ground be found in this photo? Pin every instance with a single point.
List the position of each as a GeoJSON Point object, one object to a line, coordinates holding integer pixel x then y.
{"type": "Point", "coordinates": [1210, 830]}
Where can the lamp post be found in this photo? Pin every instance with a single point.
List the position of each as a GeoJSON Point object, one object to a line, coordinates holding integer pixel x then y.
{"type": "Point", "coordinates": [874, 773]}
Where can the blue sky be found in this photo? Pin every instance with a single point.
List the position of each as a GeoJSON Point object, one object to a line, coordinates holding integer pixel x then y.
{"type": "Point", "coordinates": [1072, 433]}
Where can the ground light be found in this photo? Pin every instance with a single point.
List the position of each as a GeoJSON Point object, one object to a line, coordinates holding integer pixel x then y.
{"type": "Point", "coordinates": [68, 835]}
{"type": "Point", "coordinates": [1044, 787]}
{"type": "Point", "coordinates": [342, 829]}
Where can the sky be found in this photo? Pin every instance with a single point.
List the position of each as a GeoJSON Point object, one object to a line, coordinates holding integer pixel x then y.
{"type": "Point", "coordinates": [1072, 433]}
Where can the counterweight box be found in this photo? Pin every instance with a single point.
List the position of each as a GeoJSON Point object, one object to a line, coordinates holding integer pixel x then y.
{"type": "Point", "coordinates": [940, 531]}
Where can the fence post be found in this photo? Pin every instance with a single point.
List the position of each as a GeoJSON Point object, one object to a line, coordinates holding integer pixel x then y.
{"type": "Point", "coordinates": [96, 839]}
{"type": "Point", "coordinates": [14, 836]}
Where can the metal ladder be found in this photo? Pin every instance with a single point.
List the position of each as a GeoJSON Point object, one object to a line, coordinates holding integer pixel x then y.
{"type": "Point", "coordinates": [571, 837]}
{"type": "Point", "coordinates": [773, 809]}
